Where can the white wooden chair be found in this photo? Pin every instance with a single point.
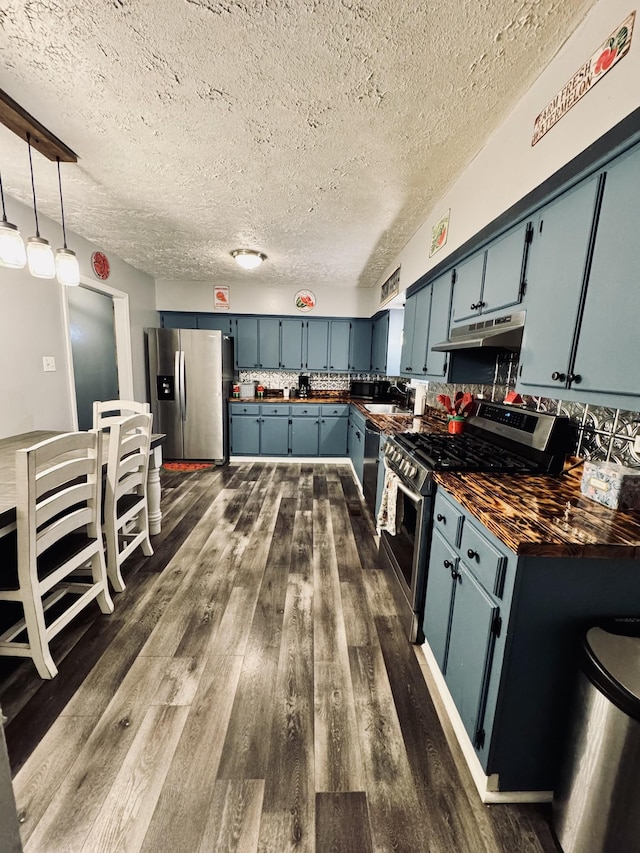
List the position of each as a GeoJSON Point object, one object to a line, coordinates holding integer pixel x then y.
{"type": "Point", "coordinates": [126, 516]}
{"type": "Point", "coordinates": [59, 489]}
{"type": "Point", "coordinates": [107, 412]}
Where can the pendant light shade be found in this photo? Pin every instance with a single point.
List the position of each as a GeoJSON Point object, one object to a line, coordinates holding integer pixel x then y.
{"type": "Point", "coordinates": [12, 253]}
{"type": "Point", "coordinates": [39, 251]}
{"type": "Point", "coordinates": [40, 258]}
{"type": "Point", "coordinates": [67, 267]}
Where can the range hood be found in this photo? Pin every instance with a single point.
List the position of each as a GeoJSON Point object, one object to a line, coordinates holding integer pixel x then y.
{"type": "Point", "coordinates": [503, 332]}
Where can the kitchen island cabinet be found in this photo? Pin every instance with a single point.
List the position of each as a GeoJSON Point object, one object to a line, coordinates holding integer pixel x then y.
{"type": "Point", "coordinates": [504, 616]}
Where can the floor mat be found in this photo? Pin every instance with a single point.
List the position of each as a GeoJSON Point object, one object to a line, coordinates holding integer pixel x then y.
{"type": "Point", "coordinates": [187, 466]}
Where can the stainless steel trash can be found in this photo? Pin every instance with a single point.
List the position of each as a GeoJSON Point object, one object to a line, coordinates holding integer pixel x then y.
{"type": "Point", "coordinates": [596, 806]}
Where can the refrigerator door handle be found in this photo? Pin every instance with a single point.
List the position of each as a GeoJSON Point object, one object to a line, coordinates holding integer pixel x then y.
{"type": "Point", "coordinates": [183, 387]}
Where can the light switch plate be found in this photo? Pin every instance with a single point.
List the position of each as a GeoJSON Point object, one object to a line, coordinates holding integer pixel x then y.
{"type": "Point", "coordinates": [48, 363]}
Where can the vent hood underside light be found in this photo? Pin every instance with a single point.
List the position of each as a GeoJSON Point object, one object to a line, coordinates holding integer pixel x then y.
{"type": "Point", "coordinates": [502, 333]}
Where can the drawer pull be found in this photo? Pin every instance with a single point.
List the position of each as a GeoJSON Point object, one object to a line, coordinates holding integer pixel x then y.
{"type": "Point", "coordinates": [472, 555]}
{"type": "Point", "coordinates": [440, 517]}
{"type": "Point", "coordinates": [448, 564]}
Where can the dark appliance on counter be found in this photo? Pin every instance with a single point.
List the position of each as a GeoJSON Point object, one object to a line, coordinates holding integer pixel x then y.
{"type": "Point", "coordinates": [303, 386]}
{"type": "Point", "coordinates": [498, 439]}
{"type": "Point", "coordinates": [377, 389]}
{"type": "Point", "coordinates": [190, 373]}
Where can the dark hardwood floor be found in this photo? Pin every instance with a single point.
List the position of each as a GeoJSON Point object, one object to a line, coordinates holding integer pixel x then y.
{"type": "Point", "coordinates": [253, 690]}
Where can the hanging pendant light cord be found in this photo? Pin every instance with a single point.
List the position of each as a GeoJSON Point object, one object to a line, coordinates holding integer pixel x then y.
{"type": "Point", "coordinates": [64, 232]}
{"type": "Point", "coordinates": [4, 212]}
{"type": "Point", "coordinates": [33, 185]}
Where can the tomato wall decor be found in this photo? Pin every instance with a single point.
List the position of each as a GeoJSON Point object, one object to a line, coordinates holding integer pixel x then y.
{"type": "Point", "coordinates": [100, 265]}
{"type": "Point", "coordinates": [305, 300]}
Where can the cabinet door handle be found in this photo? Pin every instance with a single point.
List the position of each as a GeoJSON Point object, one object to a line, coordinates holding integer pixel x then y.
{"type": "Point", "coordinates": [440, 517]}
{"type": "Point", "coordinates": [472, 555]}
{"type": "Point", "coordinates": [558, 377]}
{"type": "Point", "coordinates": [476, 305]}
{"type": "Point", "coordinates": [575, 378]}
{"type": "Point", "coordinates": [448, 564]}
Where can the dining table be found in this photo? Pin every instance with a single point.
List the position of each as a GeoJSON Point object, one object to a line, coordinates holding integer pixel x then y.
{"type": "Point", "coordinates": [9, 446]}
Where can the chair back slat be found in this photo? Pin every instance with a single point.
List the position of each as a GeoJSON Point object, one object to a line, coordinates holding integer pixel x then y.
{"type": "Point", "coordinates": [65, 525]}
{"type": "Point", "coordinates": [63, 473]}
{"type": "Point", "coordinates": [74, 495]}
{"type": "Point", "coordinates": [106, 413]}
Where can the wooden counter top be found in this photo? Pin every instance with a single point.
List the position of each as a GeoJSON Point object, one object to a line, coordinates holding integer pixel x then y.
{"type": "Point", "coordinates": [545, 516]}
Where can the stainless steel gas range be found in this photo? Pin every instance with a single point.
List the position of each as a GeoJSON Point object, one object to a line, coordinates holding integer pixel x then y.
{"type": "Point", "coordinates": [500, 439]}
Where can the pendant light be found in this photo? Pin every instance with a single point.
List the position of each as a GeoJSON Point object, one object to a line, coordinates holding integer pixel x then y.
{"type": "Point", "coordinates": [39, 251]}
{"type": "Point", "coordinates": [12, 253]}
{"type": "Point", "coordinates": [67, 268]}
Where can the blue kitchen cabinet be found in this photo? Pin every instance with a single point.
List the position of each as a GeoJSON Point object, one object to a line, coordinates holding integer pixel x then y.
{"type": "Point", "coordinates": [317, 356]}
{"type": "Point", "coordinates": [305, 426]}
{"type": "Point", "coordinates": [417, 309]}
{"type": "Point", "coordinates": [339, 341]}
{"type": "Point", "coordinates": [291, 343]}
{"type": "Point", "coordinates": [437, 363]}
{"type": "Point", "coordinates": [179, 320]}
{"type": "Point", "coordinates": [361, 332]}
{"type": "Point", "coordinates": [274, 435]}
{"type": "Point", "coordinates": [244, 424]}
{"type": "Point", "coordinates": [379, 340]}
{"type": "Point", "coordinates": [443, 567]}
{"type": "Point", "coordinates": [334, 425]}
{"type": "Point", "coordinates": [257, 343]}
{"type": "Point", "coordinates": [557, 264]}
{"type": "Point", "coordinates": [474, 618]}
{"type": "Point", "coordinates": [612, 304]}
{"type": "Point", "coordinates": [215, 322]}
{"type": "Point", "coordinates": [493, 279]}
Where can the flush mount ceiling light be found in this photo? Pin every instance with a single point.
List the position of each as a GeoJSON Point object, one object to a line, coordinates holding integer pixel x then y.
{"type": "Point", "coordinates": [248, 258]}
{"type": "Point", "coordinates": [39, 251]}
{"type": "Point", "coordinates": [12, 253]}
{"type": "Point", "coordinates": [67, 268]}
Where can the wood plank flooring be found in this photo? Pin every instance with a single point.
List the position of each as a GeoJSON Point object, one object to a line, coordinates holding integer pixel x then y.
{"type": "Point", "coordinates": [252, 691]}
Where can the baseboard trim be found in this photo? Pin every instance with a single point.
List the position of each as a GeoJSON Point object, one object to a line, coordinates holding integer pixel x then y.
{"type": "Point", "coordinates": [488, 787]}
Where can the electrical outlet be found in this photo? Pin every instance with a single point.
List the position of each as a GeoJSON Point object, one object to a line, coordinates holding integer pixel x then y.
{"type": "Point", "coordinates": [48, 363]}
{"type": "Point", "coordinates": [636, 444]}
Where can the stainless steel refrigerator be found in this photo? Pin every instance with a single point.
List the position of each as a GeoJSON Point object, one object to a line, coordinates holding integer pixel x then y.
{"type": "Point", "coordinates": [190, 383]}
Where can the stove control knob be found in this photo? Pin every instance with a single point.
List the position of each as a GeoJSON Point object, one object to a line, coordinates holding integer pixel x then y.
{"type": "Point", "coordinates": [412, 470]}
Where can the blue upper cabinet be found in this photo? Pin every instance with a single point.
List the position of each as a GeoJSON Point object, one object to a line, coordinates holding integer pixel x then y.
{"type": "Point", "coordinates": [291, 341]}
{"type": "Point", "coordinates": [361, 332]}
{"type": "Point", "coordinates": [580, 335]}
{"type": "Point", "coordinates": [607, 347]}
{"type": "Point", "coordinates": [437, 362]}
{"type": "Point", "coordinates": [317, 345]}
{"type": "Point", "coordinates": [257, 343]}
{"type": "Point", "coordinates": [379, 339]}
{"type": "Point", "coordinates": [467, 290]}
{"type": "Point", "coordinates": [494, 279]}
{"type": "Point", "coordinates": [178, 320]}
{"type": "Point", "coordinates": [215, 322]}
{"type": "Point", "coordinates": [339, 334]}
{"type": "Point", "coordinates": [413, 360]}
{"type": "Point", "coordinates": [557, 263]}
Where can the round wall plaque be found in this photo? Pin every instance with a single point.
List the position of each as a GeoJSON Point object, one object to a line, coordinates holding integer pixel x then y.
{"type": "Point", "coordinates": [100, 265]}
{"type": "Point", "coordinates": [305, 300]}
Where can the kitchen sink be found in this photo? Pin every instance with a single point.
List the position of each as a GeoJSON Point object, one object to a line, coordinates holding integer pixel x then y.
{"type": "Point", "coordinates": [386, 409]}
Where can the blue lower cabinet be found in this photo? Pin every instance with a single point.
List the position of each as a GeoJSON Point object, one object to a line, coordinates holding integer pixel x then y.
{"type": "Point", "coordinates": [333, 435]}
{"type": "Point", "coordinates": [245, 434]}
{"type": "Point", "coordinates": [443, 564]}
{"type": "Point", "coordinates": [357, 423]}
{"type": "Point", "coordinates": [274, 435]}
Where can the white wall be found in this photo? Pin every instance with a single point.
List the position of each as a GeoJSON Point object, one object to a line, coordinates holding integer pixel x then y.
{"type": "Point", "coordinates": [509, 167]}
{"type": "Point", "coordinates": [33, 326]}
{"type": "Point", "coordinates": [262, 299]}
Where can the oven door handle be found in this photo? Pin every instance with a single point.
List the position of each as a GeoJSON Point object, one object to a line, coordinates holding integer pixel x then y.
{"type": "Point", "coordinates": [415, 498]}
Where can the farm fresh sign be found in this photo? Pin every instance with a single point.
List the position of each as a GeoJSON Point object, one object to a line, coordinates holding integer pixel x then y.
{"type": "Point", "coordinates": [608, 54]}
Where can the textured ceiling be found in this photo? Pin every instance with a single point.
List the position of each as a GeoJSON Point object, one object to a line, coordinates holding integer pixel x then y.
{"type": "Point", "coordinates": [320, 132]}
